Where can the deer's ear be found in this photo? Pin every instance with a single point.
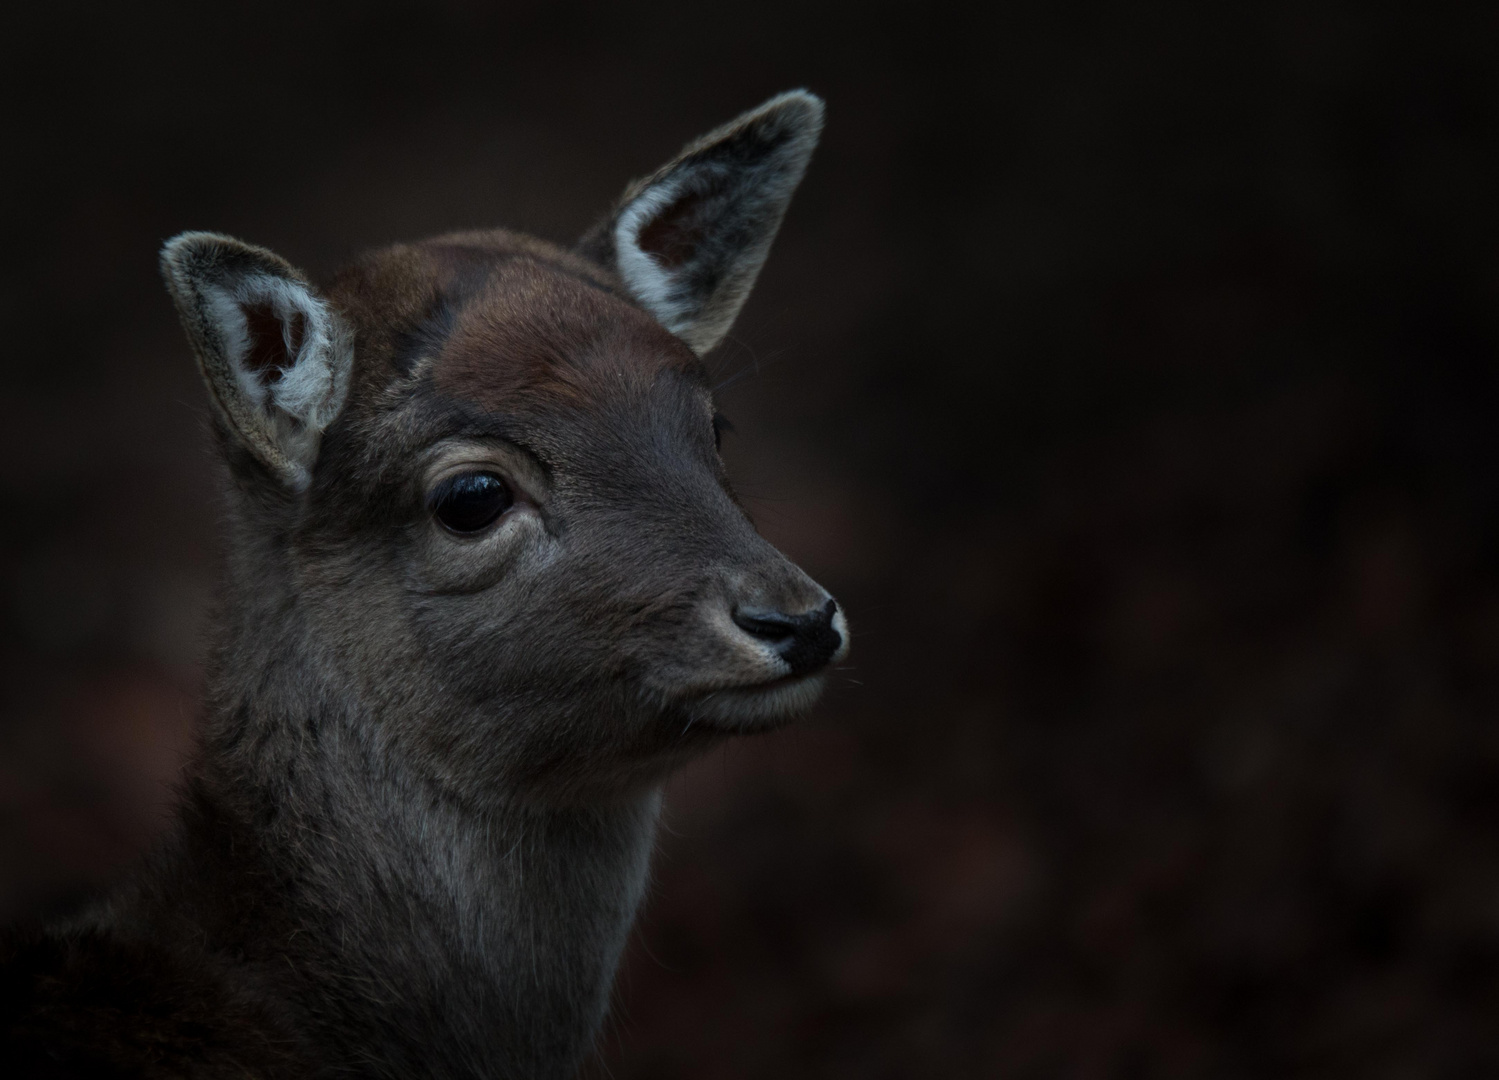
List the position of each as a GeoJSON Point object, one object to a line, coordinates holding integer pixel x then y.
{"type": "Point", "coordinates": [689, 240]}
{"type": "Point", "coordinates": [275, 356]}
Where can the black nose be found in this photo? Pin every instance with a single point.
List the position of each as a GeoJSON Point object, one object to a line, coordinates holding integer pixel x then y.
{"type": "Point", "coordinates": [806, 641]}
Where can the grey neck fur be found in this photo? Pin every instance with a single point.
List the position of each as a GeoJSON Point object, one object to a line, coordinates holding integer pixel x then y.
{"type": "Point", "coordinates": [422, 935]}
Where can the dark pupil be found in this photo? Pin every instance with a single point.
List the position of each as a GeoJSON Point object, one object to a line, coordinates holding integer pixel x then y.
{"type": "Point", "coordinates": [468, 502]}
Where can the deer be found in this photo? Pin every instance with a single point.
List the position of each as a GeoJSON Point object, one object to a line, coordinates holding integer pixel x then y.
{"type": "Point", "coordinates": [485, 586]}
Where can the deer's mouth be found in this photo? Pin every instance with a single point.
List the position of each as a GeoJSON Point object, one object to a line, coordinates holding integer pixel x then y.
{"type": "Point", "coordinates": [758, 706]}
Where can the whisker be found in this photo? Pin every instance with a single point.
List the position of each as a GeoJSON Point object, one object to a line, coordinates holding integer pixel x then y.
{"type": "Point", "coordinates": [738, 376]}
{"type": "Point", "coordinates": [693, 718]}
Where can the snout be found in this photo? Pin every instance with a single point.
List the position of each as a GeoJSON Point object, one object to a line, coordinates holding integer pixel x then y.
{"type": "Point", "coordinates": [745, 642]}
{"type": "Point", "coordinates": [777, 653]}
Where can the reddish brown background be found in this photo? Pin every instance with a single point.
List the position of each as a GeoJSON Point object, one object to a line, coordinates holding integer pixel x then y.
{"type": "Point", "coordinates": [1129, 372]}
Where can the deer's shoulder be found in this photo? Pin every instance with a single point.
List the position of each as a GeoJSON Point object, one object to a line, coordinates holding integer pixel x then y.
{"type": "Point", "coordinates": [88, 1002]}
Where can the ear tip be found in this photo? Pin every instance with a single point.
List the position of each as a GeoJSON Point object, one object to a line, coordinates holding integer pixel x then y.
{"type": "Point", "coordinates": [802, 98]}
{"type": "Point", "coordinates": [186, 244]}
{"type": "Point", "coordinates": [190, 251]}
{"type": "Point", "coordinates": [194, 253]}
{"type": "Point", "coordinates": [799, 107]}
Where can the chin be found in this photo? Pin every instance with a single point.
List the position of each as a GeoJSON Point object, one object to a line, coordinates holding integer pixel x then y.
{"type": "Point", "coordinates": [742, 710]}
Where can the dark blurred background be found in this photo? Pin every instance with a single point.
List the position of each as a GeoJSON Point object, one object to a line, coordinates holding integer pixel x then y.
{"type": "Point", "coordinates": [1129, 373]}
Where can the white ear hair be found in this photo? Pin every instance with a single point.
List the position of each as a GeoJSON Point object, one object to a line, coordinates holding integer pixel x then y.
{"type": "Point", "coordinates": [275, 356]}
{"type": "Point", "coordinates": [651, 282]}
{"type": "Point", "coordinates": [304, 390]}
{"type": "Point", "coordinates": [689, 241]}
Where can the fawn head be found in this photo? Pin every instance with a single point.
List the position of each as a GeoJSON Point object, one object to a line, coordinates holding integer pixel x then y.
{"type": "Point", "coordinates": [480, 476]}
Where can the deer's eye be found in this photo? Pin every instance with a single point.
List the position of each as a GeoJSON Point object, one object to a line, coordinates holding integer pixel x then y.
{"type": "Point", "coordinates": [469, 502]}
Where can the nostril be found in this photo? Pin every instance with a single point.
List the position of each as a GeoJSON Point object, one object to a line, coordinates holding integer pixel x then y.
{"type": "Point", "coordinates": [766, 625]}
{"type": "Point", "coordinates": [806, 641]}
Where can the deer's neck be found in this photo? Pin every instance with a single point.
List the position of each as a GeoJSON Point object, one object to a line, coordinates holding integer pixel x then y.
{"type": "Point", "coordinates": [408, 934]}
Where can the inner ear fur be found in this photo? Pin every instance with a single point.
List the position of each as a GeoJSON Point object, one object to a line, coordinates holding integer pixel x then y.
{"type": "Point", "coordinates": [689, 240]}
{"type": "Point", "coordinates": [275, 356]}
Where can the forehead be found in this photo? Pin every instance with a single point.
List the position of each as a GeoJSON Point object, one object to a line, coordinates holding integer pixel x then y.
{"type": "Point", "coordinates": [505, 324]}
